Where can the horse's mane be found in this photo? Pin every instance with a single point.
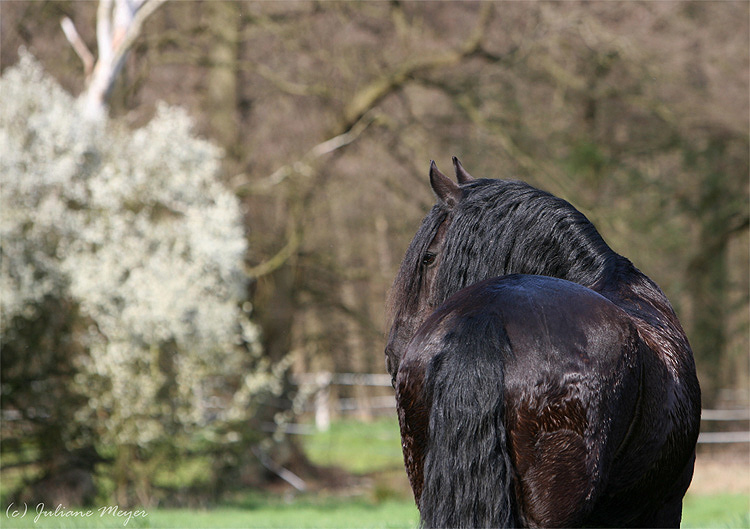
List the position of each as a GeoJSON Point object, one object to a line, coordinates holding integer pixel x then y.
{"type": "Point", "coordinates": [505, 227]}
{"type": "Point", "coordinates": [502, 227]}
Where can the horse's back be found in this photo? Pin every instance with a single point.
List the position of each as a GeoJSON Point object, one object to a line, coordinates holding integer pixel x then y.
{"type": "Point", "coordinates": [554, 326]}
{"type": "Point", "coordinates": [557, 329]}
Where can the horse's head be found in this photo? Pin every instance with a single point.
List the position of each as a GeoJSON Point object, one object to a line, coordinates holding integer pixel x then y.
{"type": "Point", "coordinates": [413, 296]}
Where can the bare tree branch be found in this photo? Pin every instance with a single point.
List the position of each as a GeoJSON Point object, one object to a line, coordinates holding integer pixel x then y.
{"type": "Point", "coordinates": [78, 45]}
{"type": "Point", "coordinates": [304, 165]}
{"type": "Point", "coordinates": [372, 94]}
{"type": "Point", "coordinates": [285, 86]}
{"type": "Point", "coordinates": [278, 260]}
{"type": "Point", "coordinates": [358, 115]}
{"type": "Point", "coordinates": [143, 10]}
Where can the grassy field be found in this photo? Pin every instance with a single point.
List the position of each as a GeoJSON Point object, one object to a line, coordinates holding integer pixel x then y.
{"type": "Point", "coordinates": [719, 511]}
{"type": "Point", "coordinates": [378, 497]}
{"type": "Point", "coordinates": [301, 513]}
{"type": "Point", "coordinates": [358, 447]}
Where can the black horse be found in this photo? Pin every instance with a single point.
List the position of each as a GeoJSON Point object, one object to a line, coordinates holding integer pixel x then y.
{"type": "Point", "coordinates": [541, 379]}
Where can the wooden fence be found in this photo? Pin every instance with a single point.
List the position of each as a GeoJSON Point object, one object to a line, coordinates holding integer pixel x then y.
{"type": "Point", "coordinates": [324, 405]}
{"type": "Point", "coordinates": [735, 417]}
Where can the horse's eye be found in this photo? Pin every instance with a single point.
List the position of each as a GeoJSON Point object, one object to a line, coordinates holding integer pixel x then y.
{"type": "Point", "coordinates": [428, 259]}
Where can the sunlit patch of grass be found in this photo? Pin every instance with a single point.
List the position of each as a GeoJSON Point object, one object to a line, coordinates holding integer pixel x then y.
{"type": "Point", "coordinates": [357, 447]}
{"type": "Point", "coordinates": [716, 510]}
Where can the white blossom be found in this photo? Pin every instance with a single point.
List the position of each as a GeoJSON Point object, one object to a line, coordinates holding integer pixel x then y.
{"type": "Point", "coordinates": [138, 230]}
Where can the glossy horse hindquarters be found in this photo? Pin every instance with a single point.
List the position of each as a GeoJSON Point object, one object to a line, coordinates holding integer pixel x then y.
{"type": "Point", "coordinates": [570, 361]}
{"type": "Point", "coordinates": [571, 388]}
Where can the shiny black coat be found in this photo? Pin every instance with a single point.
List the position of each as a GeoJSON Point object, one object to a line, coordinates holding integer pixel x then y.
{"type": "Point", "coordinates": [541, 379]}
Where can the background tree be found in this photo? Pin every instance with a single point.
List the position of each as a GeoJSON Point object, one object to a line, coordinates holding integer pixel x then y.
{"type": "Point", "coordinates": [125, 249]}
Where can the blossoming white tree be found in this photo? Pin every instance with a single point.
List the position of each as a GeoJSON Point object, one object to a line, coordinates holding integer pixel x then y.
{"type": "Point", "coordinates": [135, 230]}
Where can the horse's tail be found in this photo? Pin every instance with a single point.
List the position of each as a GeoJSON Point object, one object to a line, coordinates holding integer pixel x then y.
{"type": "Point", "coordinates": [467, 470]}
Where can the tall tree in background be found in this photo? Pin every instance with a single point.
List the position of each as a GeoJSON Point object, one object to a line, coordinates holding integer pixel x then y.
{"type": "Point", "coordinates": [126, 336]}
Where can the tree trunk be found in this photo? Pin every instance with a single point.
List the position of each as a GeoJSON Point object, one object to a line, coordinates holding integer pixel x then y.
{"type": "Point", "coordinates": [222, 79]}
{"type": "Point", "coordinates": [707, 284]}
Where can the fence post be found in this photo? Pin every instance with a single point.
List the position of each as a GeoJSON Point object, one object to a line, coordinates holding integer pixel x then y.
{"type": "Point", "coordinates": [322, 401]}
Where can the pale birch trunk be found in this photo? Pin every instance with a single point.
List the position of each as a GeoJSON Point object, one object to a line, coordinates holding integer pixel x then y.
{"type": "Point", "coordinates": [118, 25]}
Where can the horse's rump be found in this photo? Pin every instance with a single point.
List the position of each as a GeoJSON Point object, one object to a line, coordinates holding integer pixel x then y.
{"type": "Point", "coordinates": [524, 375]}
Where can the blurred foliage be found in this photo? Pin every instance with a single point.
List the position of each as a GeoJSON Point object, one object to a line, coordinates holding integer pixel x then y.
{"type": "Point", "coordinates": [125, 328]}
{"type": "Point", "coordinates": [328, 113]}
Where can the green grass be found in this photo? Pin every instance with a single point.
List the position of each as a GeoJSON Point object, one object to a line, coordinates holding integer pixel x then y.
{"type": "Point", "coordinates": [270, 512]}
{"type": "Point", "coordinates": [339, 514]}
{"type": "Point", "coordinates": [357, 447]}
{"type": "Point", "coordinates": [716, 510]}
{"type": "Point", "coordinates": [372, 450]}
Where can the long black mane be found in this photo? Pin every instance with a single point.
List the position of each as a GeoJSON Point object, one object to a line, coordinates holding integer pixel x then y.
{"type": "Point", "coordinates": [502, 227]}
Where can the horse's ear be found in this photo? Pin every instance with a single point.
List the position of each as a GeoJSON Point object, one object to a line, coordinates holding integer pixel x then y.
{"type": "Point", "coordinates": [462, 175]}
{"type": "Point", "coordinates": [446, 189]}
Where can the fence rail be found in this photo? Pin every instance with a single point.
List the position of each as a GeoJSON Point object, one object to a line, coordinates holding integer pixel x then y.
{"type": "Point", "coordinates": [723, 437]}
{"type": "Point", "coordinates": [322, 403]}
{"type": "Point", "coordinates": [725, 416]}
